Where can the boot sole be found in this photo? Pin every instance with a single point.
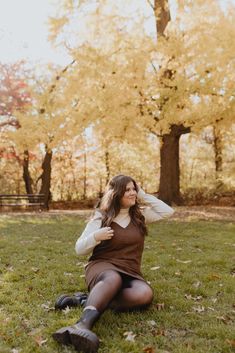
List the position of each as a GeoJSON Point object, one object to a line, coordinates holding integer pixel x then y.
{"type": "Point", "coordinates": [62, 336]}
{"type": "Point", "coordinates": [84, 340]}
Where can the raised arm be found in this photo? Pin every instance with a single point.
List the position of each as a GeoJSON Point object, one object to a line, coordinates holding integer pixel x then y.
{"type": "Point", "coordinates": [155, 209]}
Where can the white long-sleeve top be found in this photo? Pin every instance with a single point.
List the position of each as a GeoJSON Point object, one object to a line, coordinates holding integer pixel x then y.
{"type": "Point", "coordinates": [155, 210]}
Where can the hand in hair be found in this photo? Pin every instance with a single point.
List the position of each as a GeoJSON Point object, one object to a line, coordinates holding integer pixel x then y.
{"type": "Point", "coordinates": [104, 233]}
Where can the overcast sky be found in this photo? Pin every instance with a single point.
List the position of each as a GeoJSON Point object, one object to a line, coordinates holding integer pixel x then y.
{"type": "Point", "coordinates": [24, 31]}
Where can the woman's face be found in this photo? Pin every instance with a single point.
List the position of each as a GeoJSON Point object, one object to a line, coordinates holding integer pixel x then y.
{"type": "Point", "coordinates": [129, 198]}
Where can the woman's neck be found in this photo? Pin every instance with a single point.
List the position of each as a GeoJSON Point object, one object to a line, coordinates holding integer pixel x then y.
{"type": "Point", "coordinates": [124, 210]}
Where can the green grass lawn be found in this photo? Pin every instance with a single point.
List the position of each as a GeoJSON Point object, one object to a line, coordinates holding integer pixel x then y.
{"type": "Point", "coordinates": [190, 265]}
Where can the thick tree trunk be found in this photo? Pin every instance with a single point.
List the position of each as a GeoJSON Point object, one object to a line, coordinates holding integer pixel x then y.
{"type": "Point", "coordinates": [26, 174]}
{"type": "Point", "coordinates": [169, 189]}
{"type": "Point", "coordinates": [46, 177]}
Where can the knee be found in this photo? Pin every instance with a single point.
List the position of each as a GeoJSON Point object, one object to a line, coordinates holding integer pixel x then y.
{"type": "Point", "coordinates": [111, 278]}
{"type": "Point", "coordinates": [145, 295]}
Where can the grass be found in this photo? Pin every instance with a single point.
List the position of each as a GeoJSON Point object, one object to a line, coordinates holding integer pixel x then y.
{"type": "Point", "coordinates": [190, 266]}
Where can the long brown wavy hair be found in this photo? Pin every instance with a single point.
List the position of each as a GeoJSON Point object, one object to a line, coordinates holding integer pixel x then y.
{"type": "Point", "coordinates": [110, 203]}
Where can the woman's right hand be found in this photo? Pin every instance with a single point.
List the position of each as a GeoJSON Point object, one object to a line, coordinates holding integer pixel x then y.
{"type": "Point", "coordinates": [104, 233]}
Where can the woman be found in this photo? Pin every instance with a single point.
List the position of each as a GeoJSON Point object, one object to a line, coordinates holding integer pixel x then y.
{"type": "Point", "coordinates": [115, 236]}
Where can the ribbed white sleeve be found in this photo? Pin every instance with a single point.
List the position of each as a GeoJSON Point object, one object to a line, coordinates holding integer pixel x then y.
{"type": "Point", "coordinates": [86, 242]}
{"type": "Point", "coordinates": [155, 209]}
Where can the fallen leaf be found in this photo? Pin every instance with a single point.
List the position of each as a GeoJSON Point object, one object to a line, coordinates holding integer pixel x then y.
{"type": "Point", "coordinates": [233, 272]}
{"type": "Point", "coordinates": [160, 332]}
{"type": "Point", "coordinates": [66, 310]}
{"type": "Point", "coordinates": [152, 322]}
{"type": "Point", "coordinates": [231, 343]}
{"type": "Point", "coordinates": [35, 269]}
{"type": "Point", "coordinates": [16, 350]}
{"type": "Point", "coordinates": [47, 307]}
{"type": "Point", "coordinates": [197, 284]}
{"type": "Point", "coordinates": [130, 336]}
{"type": "Point", "coordinates": [189, 296]}
{"type": "Point", "coordinates": [79, 263]}
{"type": "Point", "coordinates": [155, 268]}
{"type": "Point", "coordinates": [67, 274]}
{"type": "Point", "coordinates": [82, 276]}
{"type": "Point", "coordinates": [198, 309]}
{"type": "Point", "coordinates": [184, 262]}
{"type": "Point", "coordinates": [214, 277]}
{"type": "Point", "coordinates": [148, 349]}
{"type": "Point", "coordinates": [178, 273]}
{"type": "Point", "coordinates": [39, 340]}
{"type": "Point", "coordinates": [160, 306]}
{"type": "Point", "coordinates": [225, 319]}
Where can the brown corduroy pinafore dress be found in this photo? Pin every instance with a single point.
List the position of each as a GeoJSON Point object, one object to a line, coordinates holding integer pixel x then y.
{"type": "Point", "coordinates": [122, 253]}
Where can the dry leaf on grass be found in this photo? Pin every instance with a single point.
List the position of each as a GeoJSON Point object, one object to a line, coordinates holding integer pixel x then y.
{"type": "Point", "coordinates": [214, 277]}
{"type": "Point", "coordinates": [225, 319]}
{"type": "Point", "coordinates": [39, 340]}
{"type": "Point", "coordinates": [152, 323]}
{"type": "Point", "coordinates": [184, 262]}
{"type": "Point", "coordinates": [159, 332]}
{"type": "Point", "coordinates": [197, 284]}
{"type": "Point", "coordinates": [66, 310]}
{"type": "Point", "coordinates": [67, 274]}
{"type": "Point", "coordinates": [148, 349]}
{"type": "Point", "coordinates": [160, 306]}
{"type": "Point", "coordinates": [178, 273]}
{"type": "Point", "coordinates": [46, 306]}
{"type": "Point", "coordinates": [231, 343]}
{"type": "Point", "coordinates": [189, 296]}
{"type": "Point", "coordinates": [199, 309]}
{"type": "Point", "coordinates": [79, 263]}
{"type": "Point", "coordinates": [155, 268]}
{"type": "Point", "coordinates": [232, 272]}
{"type": "Point", "coordinates": [35, 269]}
{"type": "Point", "coordinates": [130, 336]}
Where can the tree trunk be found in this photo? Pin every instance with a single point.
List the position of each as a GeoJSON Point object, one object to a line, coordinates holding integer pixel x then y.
{"type": "Point", "coordinates": [26, 175]}
{"type": "Point", "coordinates": [107, 165]}
{"type": "Point", "coordinates": [218, 150]}
{"type": "Point", "coordinates": [169, 189]}
{"type": "Point", "coordinates": [85, 176]}
{"type": "Point", "coordinates": [46, 177]}
{"type": "Point", "coordinates": [162, 15]}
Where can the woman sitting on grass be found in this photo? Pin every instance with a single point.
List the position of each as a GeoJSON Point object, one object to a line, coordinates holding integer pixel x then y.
{"type": "Point", "coordinates": [115, 236]}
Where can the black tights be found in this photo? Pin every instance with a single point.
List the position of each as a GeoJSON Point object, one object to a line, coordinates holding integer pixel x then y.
{"type": "Point", "coordinates": [119, 292]}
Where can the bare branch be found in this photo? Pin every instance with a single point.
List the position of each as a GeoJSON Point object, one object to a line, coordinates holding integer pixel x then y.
{"type": "Point", "coordinates": [150, 4]}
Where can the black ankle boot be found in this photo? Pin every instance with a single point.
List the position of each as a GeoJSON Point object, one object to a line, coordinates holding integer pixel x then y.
{"type": "Point", "coordinates": [64, 300]}
{"type": "Point", "coordinates": [80, 335]}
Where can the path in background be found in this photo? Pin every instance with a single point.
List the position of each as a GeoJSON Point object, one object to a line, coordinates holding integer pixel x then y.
{"type": "Point", "coordinates": [182, 213]}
